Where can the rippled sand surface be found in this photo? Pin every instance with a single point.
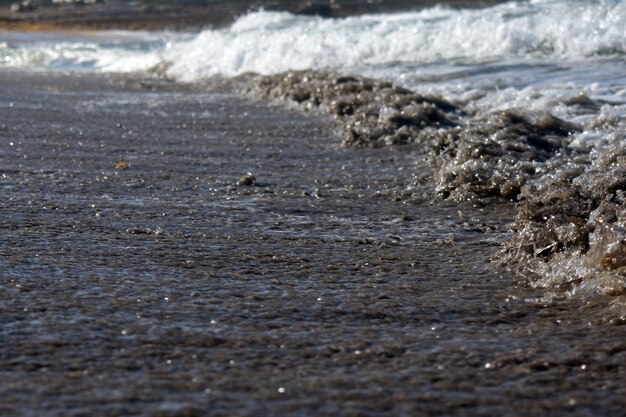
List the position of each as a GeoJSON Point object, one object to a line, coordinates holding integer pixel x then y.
{"type": "Point", "coordinates": [169, 250]}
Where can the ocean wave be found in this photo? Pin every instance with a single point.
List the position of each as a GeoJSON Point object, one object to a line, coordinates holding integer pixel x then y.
{"type": "Point", "coordinates": [517, 54]}
{"type": "Point", "coordinates": [272, 42]}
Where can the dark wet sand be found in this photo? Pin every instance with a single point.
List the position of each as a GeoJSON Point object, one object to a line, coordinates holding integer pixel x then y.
{"type": "Point", "coordinates": [138, 278]}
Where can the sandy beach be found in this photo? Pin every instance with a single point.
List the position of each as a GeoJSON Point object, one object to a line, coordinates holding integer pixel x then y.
{"type": "Point", "coordinates": [175, 250]}
{"type": "Point", "coordinates": [312, 208]}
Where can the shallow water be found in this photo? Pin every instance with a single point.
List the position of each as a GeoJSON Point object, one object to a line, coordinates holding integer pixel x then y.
{"type": "Point", "coordinates": [138, 278]}
{"type": "Point", "coordinates": [173, 248]}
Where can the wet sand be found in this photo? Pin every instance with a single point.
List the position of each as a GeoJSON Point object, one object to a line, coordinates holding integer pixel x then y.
{"type": "Point", "coordinates": [137, 277]}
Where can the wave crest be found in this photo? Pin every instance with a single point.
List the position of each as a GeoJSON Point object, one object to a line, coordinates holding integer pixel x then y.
{"type": "Point", "coordinates": [271, 42]}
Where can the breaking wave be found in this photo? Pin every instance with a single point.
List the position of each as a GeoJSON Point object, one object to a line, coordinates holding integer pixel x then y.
{"type": "Point", "coordinates": [270, 42]}
{"type": "Point", "coordinates": [524, 101]}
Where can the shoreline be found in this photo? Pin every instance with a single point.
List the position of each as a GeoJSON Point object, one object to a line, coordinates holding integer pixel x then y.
{"type": "Point", "coordinates": [160, 16]}
{"type": "Point", "coordinates": [567, 236]}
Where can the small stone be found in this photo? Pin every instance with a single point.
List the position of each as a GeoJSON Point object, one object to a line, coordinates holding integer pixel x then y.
{"type": "Point", "coordinates": [121, 164]}
{"type": "Point", "coordinates": [247, 180]}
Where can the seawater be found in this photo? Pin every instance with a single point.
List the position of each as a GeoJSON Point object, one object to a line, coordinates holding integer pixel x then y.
{"type": "Point", "coordinates": [163, 288]}
{"type": "Point", "coordinates": [517, 54]}
{"type": "Point", "coordinates": [505, 70]}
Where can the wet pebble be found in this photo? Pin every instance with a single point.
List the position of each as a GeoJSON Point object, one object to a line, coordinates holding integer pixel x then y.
{"type": "Point", "coordinates": [247, 180]}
